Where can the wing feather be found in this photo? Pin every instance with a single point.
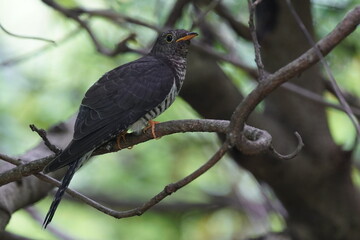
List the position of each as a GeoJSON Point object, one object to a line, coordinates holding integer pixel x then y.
{"type": "Point", "coordinates": [116, 101]}
{"type": "Point", "coordinates": [124, 95]}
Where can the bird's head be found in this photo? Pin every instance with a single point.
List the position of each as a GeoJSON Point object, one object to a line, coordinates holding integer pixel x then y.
{"type": "Point", "coordinates": [173, 43]}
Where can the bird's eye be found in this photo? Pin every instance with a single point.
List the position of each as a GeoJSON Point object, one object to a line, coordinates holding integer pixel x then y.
{"type": "Point", "coordinates": [169, 38]}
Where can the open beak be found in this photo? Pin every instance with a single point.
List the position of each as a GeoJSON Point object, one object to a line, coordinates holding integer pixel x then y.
{"type": "Point", "coordinates": [188, 36]}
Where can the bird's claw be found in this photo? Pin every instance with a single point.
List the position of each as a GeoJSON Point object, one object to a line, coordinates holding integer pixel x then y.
{"type": "Point", "coordinates": [151, 124]}
{"type": "Point", "coordinates": [120, 137]}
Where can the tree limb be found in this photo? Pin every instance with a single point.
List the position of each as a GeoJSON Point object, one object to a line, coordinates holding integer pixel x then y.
{"type": "Point", "coordinates": [162, 129]}
{"type": "Point", "coordinates": [306, 60]}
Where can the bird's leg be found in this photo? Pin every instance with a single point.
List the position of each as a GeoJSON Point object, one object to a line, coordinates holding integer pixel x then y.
{"type": "Point", "coordinates": [120, 137]}
{"type": "Point", "coordinates": [151, 124]}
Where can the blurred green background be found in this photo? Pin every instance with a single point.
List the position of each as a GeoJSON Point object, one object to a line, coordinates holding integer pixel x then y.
{"type": "Point", "coordinates": [45, 87]}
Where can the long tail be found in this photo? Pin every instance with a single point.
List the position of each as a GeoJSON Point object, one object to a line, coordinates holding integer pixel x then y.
{"type": "Point", "coordinates": [64, 185]}
{"type": "Point", "coordinates": [60, 192]}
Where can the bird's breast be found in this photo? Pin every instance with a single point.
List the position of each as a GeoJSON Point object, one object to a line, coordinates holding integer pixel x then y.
{"type": "Point", "coordinates": [160, 108]}
{"type": "Point", "coordinates": [179, 65]}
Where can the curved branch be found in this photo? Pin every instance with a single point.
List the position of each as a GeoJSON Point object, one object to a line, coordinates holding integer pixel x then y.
{"type": "Point", "coordinates": [173, 187]}
{"type": "Point", "coordinates": [168, 190]}
{"type": "Point", "coordinates": [305, 61]}
{"type": "Point", "coordinates": [254, 141]}
{"type": "Point", "coordinates": [26, 37]}
{"type": "Point", "coordinates": [299, 146]}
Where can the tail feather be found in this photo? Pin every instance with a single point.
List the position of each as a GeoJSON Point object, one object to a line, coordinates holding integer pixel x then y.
{"type": "Point", "coordinates": [60, 192]}
{"type": "Point", "coordinates": [73, 166]}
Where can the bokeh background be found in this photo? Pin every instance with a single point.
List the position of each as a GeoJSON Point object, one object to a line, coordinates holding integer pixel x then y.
{"type": "Point", "coordinates": [43, 83]}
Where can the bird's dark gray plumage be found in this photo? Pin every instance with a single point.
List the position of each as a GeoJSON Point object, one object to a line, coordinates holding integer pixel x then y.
{"type": "Point", "coordinates": [127, 97]}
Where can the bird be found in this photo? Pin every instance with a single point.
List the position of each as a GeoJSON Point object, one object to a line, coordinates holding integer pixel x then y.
{"type": "Point", "coordinates": [125, 98]}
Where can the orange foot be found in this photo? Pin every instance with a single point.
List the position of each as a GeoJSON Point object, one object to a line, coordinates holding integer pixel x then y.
{"type": "Point", "coordinates": [151, 124]}
{"type": "Point", "coordinates": [120, 137]}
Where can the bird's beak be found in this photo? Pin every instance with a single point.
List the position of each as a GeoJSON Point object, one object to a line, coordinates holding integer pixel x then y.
{"type": "Point", "coordinates": [188, 36]}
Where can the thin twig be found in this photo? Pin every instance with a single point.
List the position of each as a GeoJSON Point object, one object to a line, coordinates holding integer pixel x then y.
{"type": "Point", "coordinates": [42, 134]}
{"type": "Point", "coordinates": [26, 37]}
{"type": "Point", "coordinates": [299, 146]}
{"type": "Point", "coordinates": [117, 17]}
{"type": "Point", "coordinates": [257, 47]}
{"type": "Point", "coordinates": [74, 14]}
{"type": "Point", "coordinates": [27, 56]}
{"type": "Point", "coordinates": [213, 202]}
{"type": "Point", "coordinates": [171, 188]}
{"type": "Point", "coordinates": [334, 84]}
{"type": "Point", "coordinates": [10, 159]}
{"type": "Point", "coordinates": [168, 190]}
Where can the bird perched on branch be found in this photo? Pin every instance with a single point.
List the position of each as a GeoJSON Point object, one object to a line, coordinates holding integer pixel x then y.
{"type": "Point", "coordinates": [127, 97]}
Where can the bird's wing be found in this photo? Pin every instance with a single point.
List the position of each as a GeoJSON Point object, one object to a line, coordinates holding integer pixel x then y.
{"type": "Point", "coordinates": [124, 95]}
{"type": "Point", "coordinates": [120, 98]}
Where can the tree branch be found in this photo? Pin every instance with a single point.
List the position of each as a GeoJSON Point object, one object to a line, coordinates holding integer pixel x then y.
{"type": "Point", "coordinates": [122, 47]}
{"type": "Point", "coordinates": [258, 60]}
{"type": "Point", "coordinates": [305, 61]}
{"type": "Point", "coordinates": [239, 28]}
{"type": "Point", "coordinates": [27, 56]}
{"type": "Point", "coordinates": [333, 82]}
{"type": "Point", "coordinates": [291, 155]}
{"type": "Point", "coordinates": [42, 134]}
{"type": "Point", "coordinates": [26, 37]}
{"type": "Point", "coordinates": [176, 12]}
{"type": "Point", "coordinates": [131, 139]}
{"type": "Point", "coordinates": [74, 14]}
{"type": "Point", "coordinates": [162, 129]}
{"type": "Point", "coordinates": [116, 17]}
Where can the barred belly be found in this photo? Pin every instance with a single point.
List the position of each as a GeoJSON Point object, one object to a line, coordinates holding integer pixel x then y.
{"type": "Point", "coordinates": [143, 122]}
